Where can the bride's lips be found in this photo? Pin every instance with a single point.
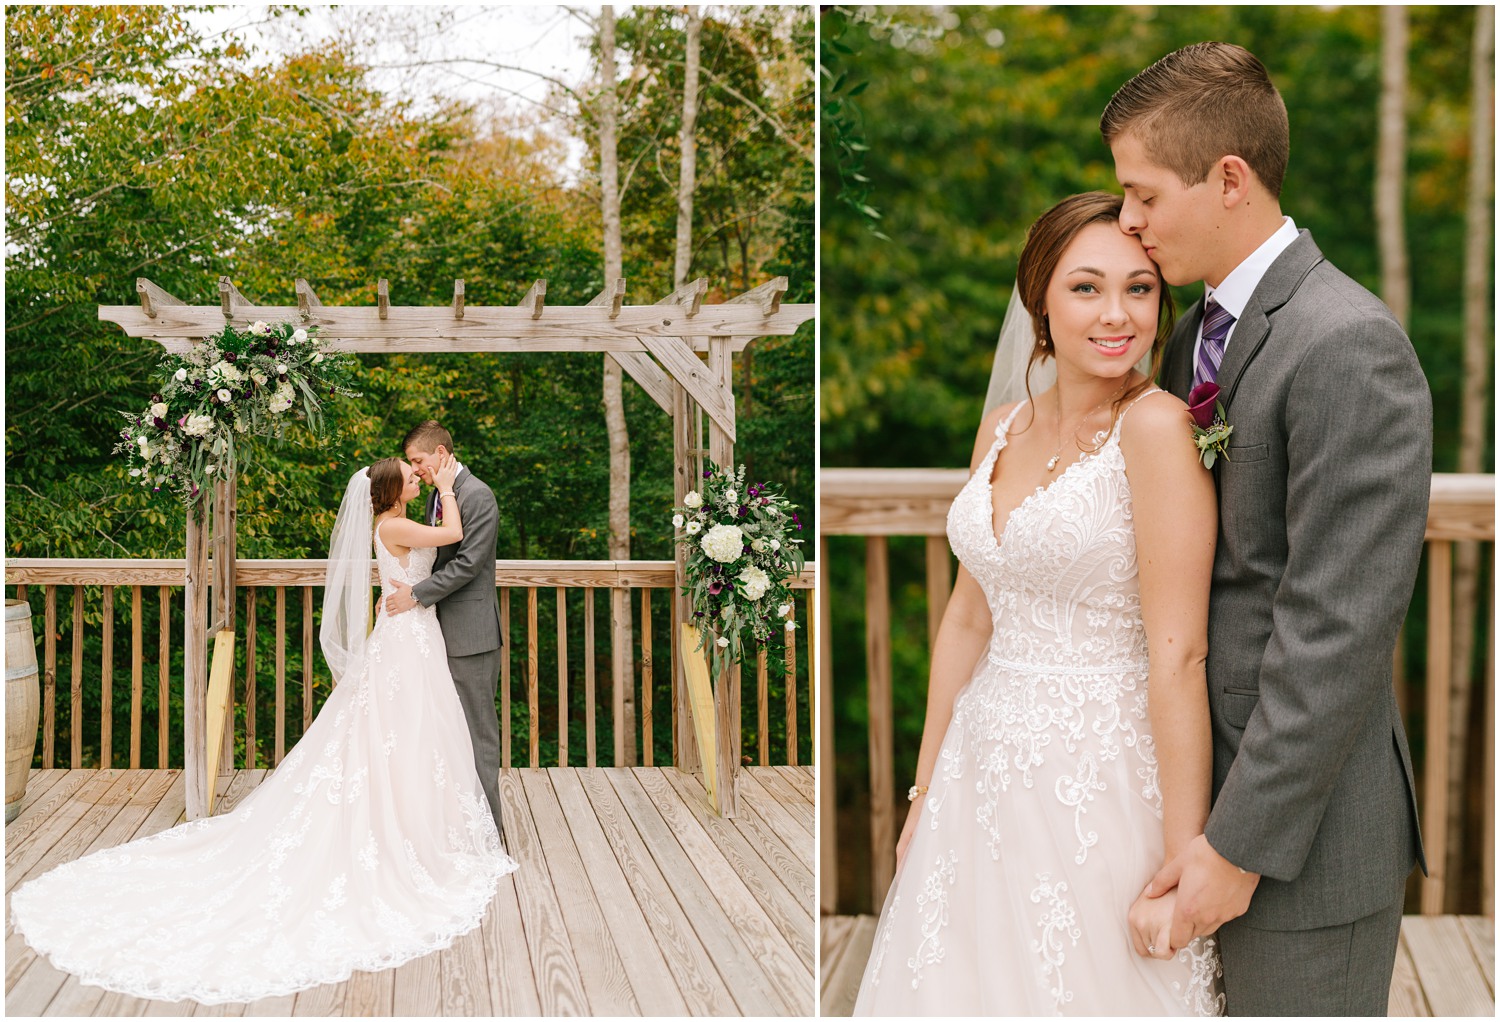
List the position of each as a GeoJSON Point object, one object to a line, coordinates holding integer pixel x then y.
{"type": "Point", "coordinates": [1117, 345]}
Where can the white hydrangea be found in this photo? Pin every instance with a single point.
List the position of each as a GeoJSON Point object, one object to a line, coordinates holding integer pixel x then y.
{"type": "Point", "coordinates": [724, 543]}
{"type": "Point", "coordinates": [754, 583]}
{"type": "Point", "coordinates": [198, 425]}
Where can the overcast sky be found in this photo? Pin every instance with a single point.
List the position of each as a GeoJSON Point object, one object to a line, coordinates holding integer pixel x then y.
{"type": "Point", "coordinates": [459, 44]}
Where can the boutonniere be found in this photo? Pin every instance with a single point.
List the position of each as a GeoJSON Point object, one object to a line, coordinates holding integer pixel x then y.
{"type": "Point", "coordinates": [1210, 428]}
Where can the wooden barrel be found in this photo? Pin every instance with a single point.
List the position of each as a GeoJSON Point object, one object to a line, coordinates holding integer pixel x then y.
{"type": "Point", "coordinates": [22, 703]}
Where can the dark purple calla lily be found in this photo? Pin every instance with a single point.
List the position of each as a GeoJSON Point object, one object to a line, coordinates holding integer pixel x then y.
{"type": "Point", "coordinates": [1201, 403]}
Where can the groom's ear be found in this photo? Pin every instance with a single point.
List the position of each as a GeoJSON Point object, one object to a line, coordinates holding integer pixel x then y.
{"type": "Point", "coordinates": [1236, 180]}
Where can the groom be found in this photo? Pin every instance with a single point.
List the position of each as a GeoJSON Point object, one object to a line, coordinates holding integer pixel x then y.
{"type": "Point", "coordinates": [1322, 510]}
{"type": "Point", "coordinates": [462, 584]}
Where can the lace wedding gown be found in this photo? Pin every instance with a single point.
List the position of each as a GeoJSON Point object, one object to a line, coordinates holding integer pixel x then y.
{"type": "Point", "coordinates": [1042, 822]}
{"type": "Point", "coordinates": [371, 844]}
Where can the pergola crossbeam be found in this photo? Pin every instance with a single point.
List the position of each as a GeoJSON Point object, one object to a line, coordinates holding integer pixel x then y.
{"type": "Point", "coordinates": [153, 298]}
{"type": "Point", "coordinates": [230, 297]}
{"type": "Point", "coordinates": [637, 364]}
{"type": "Point", "coordinates": [535, 299]}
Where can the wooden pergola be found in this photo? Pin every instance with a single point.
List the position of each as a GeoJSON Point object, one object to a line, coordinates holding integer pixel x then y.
{"type": "Point", "coordinates": [679, 350]}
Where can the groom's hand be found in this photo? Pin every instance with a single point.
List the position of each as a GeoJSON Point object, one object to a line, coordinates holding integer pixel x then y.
{"type": "Point", "coordinates": [1211, 890]}
{"type": "Point", "coordinates": [400, 600]}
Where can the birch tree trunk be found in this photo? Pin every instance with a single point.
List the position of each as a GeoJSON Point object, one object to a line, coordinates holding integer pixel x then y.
{"type": "Point", "coordinates": [1474, 413]}
{"type": "Point", "coordinates": [1390, 166]}
{"type": "Point", "coordinates": [623, 661]}
{"type": "Point", "coordinates": [687, 176]}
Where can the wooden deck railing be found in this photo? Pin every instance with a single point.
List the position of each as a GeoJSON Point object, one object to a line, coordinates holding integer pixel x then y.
{"type": "Point", "coordinates": [73, 600]}
{"type": "Point", "coordinates": [880, 503]}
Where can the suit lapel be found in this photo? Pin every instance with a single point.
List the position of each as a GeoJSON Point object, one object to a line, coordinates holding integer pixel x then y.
{"type": "Point", "coordinates": [432, 504]}
{"type": "Point", "coordinates": [1253, 328]}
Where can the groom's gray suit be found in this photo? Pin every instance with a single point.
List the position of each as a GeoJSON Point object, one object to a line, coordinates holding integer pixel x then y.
{"type": "Point", "coordinates": [1322, 511]}
{"type": "Point", "coordinates": [462, 585]}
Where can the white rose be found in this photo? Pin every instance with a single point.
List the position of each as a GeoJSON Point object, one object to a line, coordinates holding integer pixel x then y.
{"type": "Point", "coordinates": [210, 469]}
{"type": "Point", "coordinates": [731, 496]}
{"type": "Point", "coordinates": [224, 395]}
{"type": "Point", "coordinates": [259, 377]}
{"type": "Point", "coordinates": [198, 425]}
{"type": "Point", "coordinates": [723, 543]}
{"type": "Point", "coordinates": [783, 610]}
{"type": "Point", "coordinates": [299, 335]}
{"type": "Point", "coordinates": [135, 472]}
{"type": "Point", "coordinates": [159, 411]}
{"type": "Point", "coordinates": [693, 528]}
{"type": "Point", "coordinates": [281, 368]}
{"type": "Point", "coordinates": [775, 544]}
{"type": "Point", "coordinates": [692, 499]}
{"type": "Point", "coordinates": [723, 642]}
{"type": "Point", "coordinates": [317, 358]}
{"type": "Point", "coordinates": [259, 327]}
{"type": "Point", "coordinates": [759, 546]}
{"type": "Point", "coordinates": [677, 521]}
{"type": "Point", "coordinates": [142, 441]}
{"type": "Point", "coordinates": [180, 375]}
{"type": "Point", "coordinates": [754, 583]}
{"type": "Point", "coordinates": [791, 626]}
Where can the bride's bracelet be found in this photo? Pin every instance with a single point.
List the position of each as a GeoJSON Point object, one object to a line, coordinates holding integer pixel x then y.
{"type": "Point", "coordinates": [448, 493]}
{"type": "Point", "coordinates": [916, 792]}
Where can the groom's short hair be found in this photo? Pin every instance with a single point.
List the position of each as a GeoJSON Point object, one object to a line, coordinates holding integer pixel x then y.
{"type": "Point", "coordinates": [1201, 103]}
{"type": "Point", "coordinates": [428, 436]}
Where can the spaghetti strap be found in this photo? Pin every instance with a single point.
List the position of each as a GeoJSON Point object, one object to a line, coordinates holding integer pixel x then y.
{"type": "Point", "coordinates": [1003, 426]}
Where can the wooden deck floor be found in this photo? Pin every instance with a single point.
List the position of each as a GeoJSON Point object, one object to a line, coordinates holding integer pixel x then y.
{"type": "Point", "coordinates": [1445, 965]}
{"type": "Point", "coordinates": [632, 898]}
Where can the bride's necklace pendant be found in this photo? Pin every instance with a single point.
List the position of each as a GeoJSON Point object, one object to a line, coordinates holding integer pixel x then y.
{"type": "Point", "coordinates": [1052, 461]}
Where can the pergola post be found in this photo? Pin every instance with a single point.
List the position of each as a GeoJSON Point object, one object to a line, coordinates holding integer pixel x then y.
{"type": "Point", "coordinates": [727, 685]}
{"type": "Point", "coordinates": [195, 661]}
{"type": "Point", "coordinates": [685, 477]}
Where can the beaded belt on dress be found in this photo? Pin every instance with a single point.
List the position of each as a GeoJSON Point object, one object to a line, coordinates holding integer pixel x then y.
{"type": "Point", "coordinates": [1131, 666]}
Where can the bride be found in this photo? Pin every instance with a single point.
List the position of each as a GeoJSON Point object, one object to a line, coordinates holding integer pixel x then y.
{"type": "Point", "coordinates": [1076, 634]}
{"type": "Point", "coordinates": [371, 844]}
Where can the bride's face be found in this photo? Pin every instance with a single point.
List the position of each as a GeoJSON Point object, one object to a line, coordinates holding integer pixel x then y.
{"type": "Point", "coordinates": [412, 486]}
{"type": "Point", "coordinates": [1102, 303]}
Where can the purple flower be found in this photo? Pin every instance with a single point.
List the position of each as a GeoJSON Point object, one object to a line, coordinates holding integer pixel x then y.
{"type": "Point", "coordinates": [746, 550]}
{"type": "Point", "coordinates": [744, 510]}
{"type": "Point", "coordinates": [716, 588]}
{"type": "Point", "coordinates": [707, 474]}
{"type": "Point", "coordinates": [1201, 403]}
{"type": "Point", "coordinates": [160, 423]}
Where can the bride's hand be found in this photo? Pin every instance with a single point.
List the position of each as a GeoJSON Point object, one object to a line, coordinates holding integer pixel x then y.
{"type": "Point", "coordinates": [447, 472]}
{"type": "Point", "coordinates": [1151, 925]}
{"type": "Point", "coordinates": [908, 830]}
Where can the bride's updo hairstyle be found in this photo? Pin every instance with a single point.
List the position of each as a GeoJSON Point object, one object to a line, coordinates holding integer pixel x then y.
{"type": "Point", "coordinates": [1046, 241]}
{"type": "Point", "coordinates": [386, 483]}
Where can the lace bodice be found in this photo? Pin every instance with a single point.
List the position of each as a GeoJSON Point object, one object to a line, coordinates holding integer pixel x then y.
{"type": "Point", "coordinates": [1060, 579]}
{"type": "Point", "coordinates": [418, 566]}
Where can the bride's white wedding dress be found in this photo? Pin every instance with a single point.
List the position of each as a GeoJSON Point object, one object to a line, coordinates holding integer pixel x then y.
{"type": "Point", "coordinates": [1042, 822]}
{"type": "Point", "coordinates": [371, 844]}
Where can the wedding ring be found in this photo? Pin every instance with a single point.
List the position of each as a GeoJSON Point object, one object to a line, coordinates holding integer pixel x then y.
{"type": "Point", "coordinates": [1151, 949]}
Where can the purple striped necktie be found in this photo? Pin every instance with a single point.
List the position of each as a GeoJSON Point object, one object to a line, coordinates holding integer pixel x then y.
{"type": "Point", "coordinates": [1216, 323]}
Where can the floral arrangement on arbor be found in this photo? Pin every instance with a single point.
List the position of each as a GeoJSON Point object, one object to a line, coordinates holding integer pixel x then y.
{"type": "Point", "coordinates": [742, 548]}
{"type": "Point", "coordinates": [238, 384]}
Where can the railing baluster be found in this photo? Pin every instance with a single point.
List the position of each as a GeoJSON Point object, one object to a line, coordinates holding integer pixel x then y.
{"type": "Point", "coordinates": [939, 586]}
{"type": "Point", "coordinates": [1435, 760]}
{"type": "Point", "coordinates": [562, 677]}
{"type": "Point", "coordinates": [75, 710]}
{"type": "Point", "coordinates": [106, 681]}
{"type": "Point", "coordinates": [163, 679]}
{"type": "Point", "coordinates": [505, 677]}
{"type": "Point", "coordinates": [1487, 821]}
{"type": "Point", "coordinates": [307, 659]}
{"type": "Point", "coordinates": [136, 677]}
{"type": "Point", "coordinates": [762, 706]}
{"type": "Point", "coordinates": [250, 750]}
{"type": "Point", "coordinates": [791, 686]}
{"type": "Point", "coordinates": [49, 683]}
{"type": "Point", "coordinates": [280, 674]}
{"type": "Point", "coordinates": [814, 715]}
{"type": "Point", "coordinates": [533, 696]}
{"type": "Point", "coordinates": [591, 739]}
{"type": "Point", "coordinates": [647, 737]}
{"type": "Point", "coordinates": [882, 742]}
